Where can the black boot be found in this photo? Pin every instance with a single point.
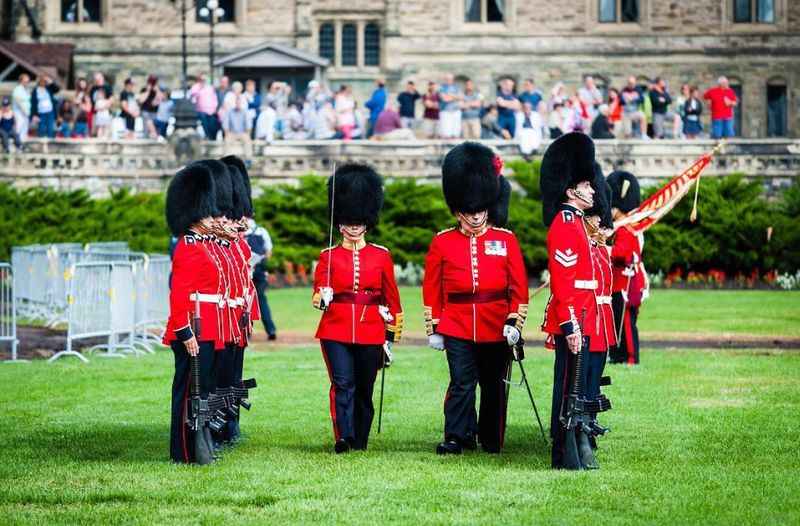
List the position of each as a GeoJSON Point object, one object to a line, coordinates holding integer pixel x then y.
{"type": "Point", "coordinates": [449, 447]}
{"type": "Point", "coordinates": [470, 443]}
{"type": "Point", "coordinates": [585, 449]}
{"type": "Point", "coordinates": [341, 446]}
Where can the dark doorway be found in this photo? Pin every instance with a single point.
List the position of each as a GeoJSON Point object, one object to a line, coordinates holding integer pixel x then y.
{"type": "Point", "coordinates": [737, 110]}
{"type": "Point", "coordinates": [776, 110]}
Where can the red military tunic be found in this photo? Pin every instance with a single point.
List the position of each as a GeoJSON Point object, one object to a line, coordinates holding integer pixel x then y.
{"type": "Point", "coordinates": [362, 279]}
{"type": "Point", "coordinates": [625, 256]}
{"type": "Point", "coordinates": [221, 249]}
{"type": "Point", "coordinates": [249, 302]}
{"type": "Point", "coordinates": [602, 263]}
{"type": "Point", "coordinates": [195, 269]}
{"type": "Point", "coordinates": [573, 278]}
{"type": "Point", "coordinates": [473, 284]}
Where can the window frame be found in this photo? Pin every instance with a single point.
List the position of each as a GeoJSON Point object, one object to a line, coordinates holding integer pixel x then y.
{"type": "Point", "coordinates": [235, 13]}
{"type": "Point", "coordinates": [365, 43]}
{"type": "Point", "coordinates": [79, 12]}
{"type": "Point", "coordinates": [333, 56]}
{"type": "Point", "coordinates": [484, 11]}
{"type": "Point", "coordinates": [754, 18]}
{"type": "Point", "coordinates": [618, 13]}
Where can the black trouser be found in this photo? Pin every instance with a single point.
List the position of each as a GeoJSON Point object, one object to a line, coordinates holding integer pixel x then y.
{"type": "Point", "coordinates": [562, 381]}
{"type": "Point", "coordinates": [352, 370]}
{"type": "Point", "coordinates": [471, 364]}
{"type": "Point", "coordinates": [181, 445]}
{"type": "Point", "coordinates": [627, 348]}
{"type": "Point", "coordinates": [263, 305]}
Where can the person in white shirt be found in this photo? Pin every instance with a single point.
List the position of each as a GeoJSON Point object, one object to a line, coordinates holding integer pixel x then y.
{"type": "Point", "coordinates": [529, 130]}
{"type": "Point", "coordinates": [265, 124]}
{"type": "Point", "coordinates": [21, 104]}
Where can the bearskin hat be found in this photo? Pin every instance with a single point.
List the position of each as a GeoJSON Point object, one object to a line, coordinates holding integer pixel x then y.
{"type": "Point", "coordinates": [568, 161]}
{"type": "Point", "coordinates": [223, 183]}
{"type": "Point", "coordinates": [191, 196]}
{"type": "Point", "coordinates": [625, 192]}
{"type": "Point", "coordinates": [602, 202]}
{"type": "Point", "coordinates": [469, 178]}
{"type": "Point", "coordinates": [242, 192]}
{"type": "Point", "coordinates": [498, 214]}
{"type": "Point", "coordinates": [355, 192]}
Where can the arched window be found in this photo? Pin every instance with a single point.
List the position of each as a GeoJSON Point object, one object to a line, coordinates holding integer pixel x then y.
{"type": "Point", "coordinates": [327, 42]}
{"type": "Point", "coordinates": [349, 45]}
{"type": "Point", "coordinates": [372, 45]}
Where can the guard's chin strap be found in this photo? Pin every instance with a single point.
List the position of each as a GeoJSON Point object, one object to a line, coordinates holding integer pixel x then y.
{"type": "Point", "coordinates": [582, 197]}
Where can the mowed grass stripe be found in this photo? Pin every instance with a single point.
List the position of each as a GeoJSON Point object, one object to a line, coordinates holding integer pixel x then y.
{"type": "Point", "coordinates": [696, 437]}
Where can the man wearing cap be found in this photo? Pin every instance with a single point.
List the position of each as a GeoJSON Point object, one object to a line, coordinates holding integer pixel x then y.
{"type": "Point", "coordinates": [475, 296]}
{"type": "Point", "coordinates": [566, 184]}
{"type": "Point", "coordinates": [630, 280]}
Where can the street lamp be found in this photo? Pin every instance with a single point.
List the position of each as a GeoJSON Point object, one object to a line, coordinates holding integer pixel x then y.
{"type": "Point", "coordinates": [213, 12]}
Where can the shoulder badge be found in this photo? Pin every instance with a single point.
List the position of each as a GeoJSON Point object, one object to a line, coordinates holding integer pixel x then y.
{"type": "Point", "coordinates": [440, 232]}
{"type": "Point", "coordinates": [568, 216]}
{"type": "Point", "coordinates": [379, 246]}
{"type": "Point", "coordinates": [326, 249]}
{"type": "Point", "coordinates": [507, 231]}
{"type": "Point", "coordinates": [189, 239]}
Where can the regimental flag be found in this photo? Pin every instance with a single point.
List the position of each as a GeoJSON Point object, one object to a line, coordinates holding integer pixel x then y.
{"type": "Point", "coordinates": [661, 202]}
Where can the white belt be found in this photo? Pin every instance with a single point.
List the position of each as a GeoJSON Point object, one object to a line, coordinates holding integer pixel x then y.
{"type": "Point", "coordinates": [628, 272]}
{"type": "Point", "coordinates": [604, 300]}
{"type": "Point", "coordinates": [589, 284]}
{"type": "Point", "coordinates": [235, 302]}
{"type": "Point", "coordinates": [217, 299]}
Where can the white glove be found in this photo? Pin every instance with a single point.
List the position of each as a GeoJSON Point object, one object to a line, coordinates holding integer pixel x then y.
{"type": "Point", "coordinates": [383, 310]}
{"type": "Point", "coordinates": [511, 334]}
{"type": "Point", "coordinates": [436, 341]}
{"type": "Point", "coordinates": [325, 297]}
{"type": "Point", "coordinates": [387, 350]}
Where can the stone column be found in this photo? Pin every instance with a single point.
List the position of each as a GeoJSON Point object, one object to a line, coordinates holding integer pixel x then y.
{"type": "Point", "coordinates": [360, 43]}
{"type": "Point", "coordinates": [337, 45]}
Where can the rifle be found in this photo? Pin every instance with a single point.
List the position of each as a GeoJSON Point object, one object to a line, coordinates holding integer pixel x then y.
{"type": "Point", "coordinates": [198, 415]}
{"type": "Point", "coordinates": [518, 353]}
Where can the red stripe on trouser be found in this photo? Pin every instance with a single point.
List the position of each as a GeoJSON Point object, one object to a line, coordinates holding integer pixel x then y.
{"type": "Point", "coordinates": [503, 407]}
{"type": "Point", "coordinates": [183, 422]}
{"type": "Point", "coordinates": [628, 335]}
{"type": "Point", "coordinates": [331, 393]}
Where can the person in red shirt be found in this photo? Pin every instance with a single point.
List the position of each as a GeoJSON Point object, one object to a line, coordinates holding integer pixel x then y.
{"type": "Point", "coordinates": [475, 296]}
{"type": "Point", "coordinates": [629, 277]}
{"type": "Point", "coordinates": [355, 287]}
{"type": "Point", "coordinates": [566, 179]}
{"type": "Point", "coordinates": [723, 100]}
{"type": "Point", "coordinates": [190, 209]}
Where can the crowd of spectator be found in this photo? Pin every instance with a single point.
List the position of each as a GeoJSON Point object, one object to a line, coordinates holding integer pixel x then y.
{"type": "Point", "coordinates": [237, 112]}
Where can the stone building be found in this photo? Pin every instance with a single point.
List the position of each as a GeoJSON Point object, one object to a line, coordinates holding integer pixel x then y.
{"type": "Point", "coordinates": [756, 43]}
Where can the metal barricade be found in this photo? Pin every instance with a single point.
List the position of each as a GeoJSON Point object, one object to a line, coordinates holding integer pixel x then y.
{"type": "Point", "coordinates": [33, 294]}
{"type": "Point", "coordinates": [88, 305]}
{"type": "Point", "coordinates": [8, 311]}
{"type": "Point", "coordinates": [107, 246]}
{"type": "Point", "coordinates": [152, 299]}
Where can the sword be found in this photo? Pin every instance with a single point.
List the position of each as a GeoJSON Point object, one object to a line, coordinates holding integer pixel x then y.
{"type": "Point", "coordinates": [515, 352]}
{"type": "Point", "coordinates": [383, 378]}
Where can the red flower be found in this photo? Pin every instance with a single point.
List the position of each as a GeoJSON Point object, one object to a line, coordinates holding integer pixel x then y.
{"type": "Point", "coordinates": [498, 165]}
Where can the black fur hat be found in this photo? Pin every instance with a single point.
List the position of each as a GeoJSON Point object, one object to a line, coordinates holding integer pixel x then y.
{"type": "Point", "coordinates": [607, 219]}
{"type": "Point", "coordinates": [191, 196]}
{"type": "Point", "coordinates": [498, 214]}
{"type": "Point", "coordinates": [242, 192]}
{"type": "Point", "coordinates": [358, 196]}
{"type": "Point", "coordinates": [223, 184]}
{"type": "Point", "coordinates": [469, 178]}
{"type": "Point", "coordinates": [625, 192]}
{"type": "Point", "coordinates": [568, 161]}
{"type": "Point", "coordinates": [602, 203]}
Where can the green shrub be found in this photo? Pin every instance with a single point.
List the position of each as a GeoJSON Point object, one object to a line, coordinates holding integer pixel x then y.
{"type": "Point", "coordinates": [729, 235]}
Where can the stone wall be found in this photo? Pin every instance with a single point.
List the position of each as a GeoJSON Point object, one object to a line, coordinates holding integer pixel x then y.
{"type": "Point", "coordinates": [99, 166]}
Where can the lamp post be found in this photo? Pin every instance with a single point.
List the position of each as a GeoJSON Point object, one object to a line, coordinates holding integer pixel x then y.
{"type": "Point", "coordinates": [212, 11]}
{"type": "Point", "coordinates": [185, 115]}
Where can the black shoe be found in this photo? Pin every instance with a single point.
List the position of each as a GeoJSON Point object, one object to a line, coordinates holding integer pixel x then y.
{"type": "Point", "coordinates": [272, 337]}
{"type": "Point", "coordinates": [470, 443]}
{"type": "Point", "coordinates": [491, 449]}
{"type": "Point", "coordinates": [449, 447]}
{"type": "Point", "coordinates": [341, 446]}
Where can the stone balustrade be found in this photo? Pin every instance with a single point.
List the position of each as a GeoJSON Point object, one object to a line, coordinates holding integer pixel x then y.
{"type": "Point", "coordinates": [98, 165]}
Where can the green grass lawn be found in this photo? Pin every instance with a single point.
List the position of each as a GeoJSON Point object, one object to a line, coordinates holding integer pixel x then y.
{"type": "Point", "coordinates": [698, 438]}
{"type": "Point", "coordinates": [680, 312]}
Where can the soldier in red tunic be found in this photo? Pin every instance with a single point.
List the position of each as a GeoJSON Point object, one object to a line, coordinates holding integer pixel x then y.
{"type": "Point", "coordinates": [354, 285]}
{"type": "Point", "coordinates": [629, 275]}
{"type": "Point", "coordinates": [599, 225]}
{"type": "Point", "coordinates": [475, 295]}
{"type": "Point", "coordinates": [572, 312]}
{"type": "Point", "coordinates": [191, 209]}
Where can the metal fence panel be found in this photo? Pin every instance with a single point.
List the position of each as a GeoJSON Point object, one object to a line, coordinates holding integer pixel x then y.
{"type": "Point", "coordinates": [8, 314]}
